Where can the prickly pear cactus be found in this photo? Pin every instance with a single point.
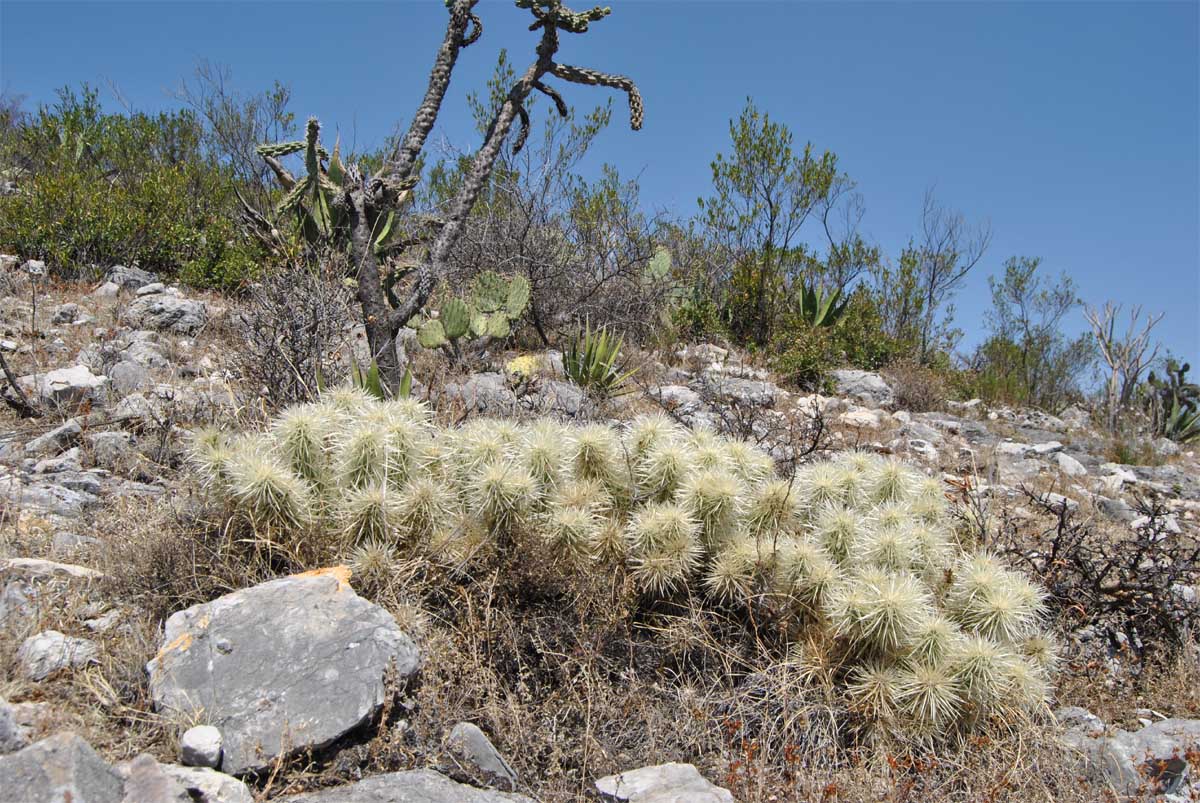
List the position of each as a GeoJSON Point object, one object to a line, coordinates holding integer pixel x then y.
{"type": "Point", "coordinates": [495, 303]}
{"type": "Point", "coordinates": [491, 291]}
{"type": "Point", "coordinates": [455, 318]}
{"type": "Point", "coordinates": [498, 326]}
{"type": "Point", "coordinates": [518, 297]}
{"type": "Point", "coordinates": [432, 335]}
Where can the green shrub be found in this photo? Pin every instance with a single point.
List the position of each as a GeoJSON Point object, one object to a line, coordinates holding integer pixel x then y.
{"type": "Point", "coordinates": [853, 560]}
{"type": "Point", "coordinates": [101, 189]}
{"type": "Point", "coordinates": [803, 354]}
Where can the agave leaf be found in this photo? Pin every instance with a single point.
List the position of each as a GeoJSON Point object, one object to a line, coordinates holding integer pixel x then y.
{"type": "Point", "coordinates": [405, 384]}
{"type": "Point", "coordinates": [381, 239]}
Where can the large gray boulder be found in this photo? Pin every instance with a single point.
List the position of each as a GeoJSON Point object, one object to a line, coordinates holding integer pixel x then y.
{"type": "Point", "coordinates": [414, 786]}
{"type": "Point", "coordinates": [167, 313]}
{"type": "Point", "coordinates": [288, 665]}
{"type": "Point", "coordinates": [663, 783]}
{"type": "Point", "coordinates": [1152, 760]}
{"type": "Point", "coordinates": [61, 768]}
{"type": "Point", "coordinates": [865, 386]}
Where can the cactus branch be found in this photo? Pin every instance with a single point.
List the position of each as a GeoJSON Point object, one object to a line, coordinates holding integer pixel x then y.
{"type": "Point", "coordinates": [476, 31]}
{"type": "Point", "coordinates": [552, 93]}
{"type": "Point", "coordinates": [582, 75]}
{"type": "Point", "coordinates": [523, 132]}
{"type": "Point", "coordinates": [405, 159]}
{"type": "Point", "coordinates": [282, 174]}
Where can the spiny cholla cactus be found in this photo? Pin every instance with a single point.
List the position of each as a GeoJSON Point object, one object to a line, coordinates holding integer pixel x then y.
{"type": "Point", "coordinates": [854, 558]}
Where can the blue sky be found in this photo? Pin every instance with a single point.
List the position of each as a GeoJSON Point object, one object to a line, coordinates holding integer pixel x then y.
{"type": "Point", "coordinates": [1073, 127]}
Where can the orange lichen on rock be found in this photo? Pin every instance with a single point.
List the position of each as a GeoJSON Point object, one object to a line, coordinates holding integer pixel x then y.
{"type": "Point", "coordinates": [341, 573]}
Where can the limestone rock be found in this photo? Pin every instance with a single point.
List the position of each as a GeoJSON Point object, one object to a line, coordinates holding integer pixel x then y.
{"type": "Point", "coordinates": [167, 313]}
{"type": "Point", "coordinates": [56, 440]}
{"type": "Point", "coordinates": [65, 313]}
{"type": "Point", "coordinates": [147, 783]}
{"type": "Point", "coordinates": [43, 497]}
{"type": "Point", "coordinates": [209, 786]}
{"type": "Point", "coordinates": [474, 758]}
{"type": "Point", "coordinates": [486, 392]}
{"type": "Point", "coordinates": [865, 386]}
{"type": "Point", "coordinates": [61, 768]}
{"type": "Point", "coordinates": [106, 290]}
{"type": "Point", "coordinates": [414, 786]}
{"type": "Point", "coordinates": [37, 568]}
{"type": "Point", "coordinates": [110, 449]}
{"type": "Point", "coordinates": [288, 665]}
{"type": "Point", "coordinates": [861, 419]}
{"type": "Point", "coordinates": [664, 783]}
{"type": "Point", "coordinates": [1153, 759]}
{"type": "Point", "coordinates": [66, 387]}
{"type": "Point", "coordinates": [45, 653]}
{"type": "Point", "coordinates": [200, 747]}
{"type": "Point", "coordinates": [127, 376]}
{"type": "Point", "coordinates": [129, 278]}
{"type": "Point", "coordinates": [13, 736]}
{"type": "Point", "coordinates": [1069, 465]}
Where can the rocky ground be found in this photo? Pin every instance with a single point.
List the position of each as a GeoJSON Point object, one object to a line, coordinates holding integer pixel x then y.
{"type": "Point", "coordinates": [125, 368]}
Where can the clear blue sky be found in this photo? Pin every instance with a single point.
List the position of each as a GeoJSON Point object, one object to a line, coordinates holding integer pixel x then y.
{"type": "Point", "coordinates": [1072, 127]}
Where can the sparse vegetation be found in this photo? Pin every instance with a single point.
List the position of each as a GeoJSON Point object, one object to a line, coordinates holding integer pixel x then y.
{"type": "Point", "coordinates": [592, 458]}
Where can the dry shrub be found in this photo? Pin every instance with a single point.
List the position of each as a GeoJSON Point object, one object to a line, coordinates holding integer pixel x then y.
{"type": "Point", "coordinates": [918, 388]}
{"type": "Point", "coordinates": [294, 325]}
{"type": "Point", "coordinates": [1123, 584]}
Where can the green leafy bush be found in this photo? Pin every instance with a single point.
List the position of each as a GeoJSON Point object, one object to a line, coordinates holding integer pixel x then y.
{"type": "Point", "coordinates": [100, 189]}
{"type": "Point", "coordinates": [852, 560]}
{"type": "Point", "coordinates": [804, 354]}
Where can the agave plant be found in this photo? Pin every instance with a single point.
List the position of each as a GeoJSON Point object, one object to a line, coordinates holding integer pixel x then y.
{"type": "Point", "coordinates": [592, 361]}
{"type": "Point", "coordinates": [818, 308]}
{"type": "Point", "coordinates": [1176, 403]}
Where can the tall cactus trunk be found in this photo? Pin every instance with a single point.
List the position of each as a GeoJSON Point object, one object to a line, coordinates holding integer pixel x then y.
{"type": "Point", "coordinates": [365, 203]}
{"type": "Point", "coordinates": [381, 328]}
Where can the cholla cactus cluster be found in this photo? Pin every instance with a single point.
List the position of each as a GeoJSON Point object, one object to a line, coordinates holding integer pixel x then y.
{"type": "Point", "coordinates": [855, 557]}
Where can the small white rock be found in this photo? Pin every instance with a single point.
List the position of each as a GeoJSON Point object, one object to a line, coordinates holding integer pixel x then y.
{"type": "Point", "coordinates": [200, 747]}
{"type": "Point", "coordinates": [106, 290]}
